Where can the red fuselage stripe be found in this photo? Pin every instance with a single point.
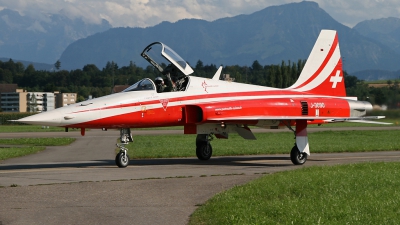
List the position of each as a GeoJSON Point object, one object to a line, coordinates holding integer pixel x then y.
{"type": "Point", "coordinates": [278, 93]}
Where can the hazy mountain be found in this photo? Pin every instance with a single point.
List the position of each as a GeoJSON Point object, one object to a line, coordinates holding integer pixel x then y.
{"type": "Point", "coordinates": [276, 33]}
{"type": "Point", "coordinates": [371, 75]}
{"type": "Point", "coordinates": [386, 31]}
{"type": "Point", "coordinates": [37, 66]}
{"type": "Point", "coordinates": [23, 37]}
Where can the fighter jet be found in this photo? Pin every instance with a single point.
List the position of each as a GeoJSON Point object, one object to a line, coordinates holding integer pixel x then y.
{"type": "Point", "coordinates": [214, 107]}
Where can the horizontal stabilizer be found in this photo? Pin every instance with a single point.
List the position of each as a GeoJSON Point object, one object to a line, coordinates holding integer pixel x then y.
{"type": "Point", "coordinates": [366, 119]}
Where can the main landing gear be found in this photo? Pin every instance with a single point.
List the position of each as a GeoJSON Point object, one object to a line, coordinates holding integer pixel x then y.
{"type": "Point", "coordinates": [122, 158]}
{"type": "Point", "coordinates": [203, 146]}
{"type": "Point", "coordinates": [297, 157]}
{"type": "Point", "coordinates": [300, 150]}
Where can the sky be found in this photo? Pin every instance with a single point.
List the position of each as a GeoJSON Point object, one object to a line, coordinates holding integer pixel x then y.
{"type": "Point", "coordinates": [145, 13]}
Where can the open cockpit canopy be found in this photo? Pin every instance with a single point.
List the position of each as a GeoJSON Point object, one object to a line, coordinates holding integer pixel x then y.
{"type": "Point", "coordinates": [160, 56]}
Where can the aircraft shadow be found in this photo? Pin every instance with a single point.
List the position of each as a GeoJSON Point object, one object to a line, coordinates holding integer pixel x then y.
{"type": "Point", "coordinates": [253, 161]}
{"type": "Point", "coordinates": [223, 161]}
{"type": "Point", "coordinates": [98, 163]}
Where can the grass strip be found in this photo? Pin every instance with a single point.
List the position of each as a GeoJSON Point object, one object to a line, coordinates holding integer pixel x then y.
{"type": "Point", "coordinates": [28, 146]}
{"type": "Point", "coordinates": [164, 146]}
{"type": "Point", "coordinates": [366, 193]}
{"type": "Point", "coordinates": [28, 128]}
{"type": "Point", "coordinates": [38, 141]}
{"type": "Point", "coordinates": [12, 152]}
{"type": "Point", "coordinates": [36, 128]}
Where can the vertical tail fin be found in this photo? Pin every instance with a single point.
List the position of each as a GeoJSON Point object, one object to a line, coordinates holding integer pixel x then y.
{"type": "Point", "coordinates": [323, 74]}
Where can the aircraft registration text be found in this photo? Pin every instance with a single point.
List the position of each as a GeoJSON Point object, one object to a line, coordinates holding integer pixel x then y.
{"type": "Point", "coordinates": [317, 105]}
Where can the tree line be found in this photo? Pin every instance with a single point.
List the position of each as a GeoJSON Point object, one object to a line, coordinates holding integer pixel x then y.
{"type": "Point", "coordinates": [90, 80]}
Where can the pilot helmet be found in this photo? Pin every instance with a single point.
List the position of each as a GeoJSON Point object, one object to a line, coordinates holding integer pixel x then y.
{"type": "Point", "coordinates": [158, 80]}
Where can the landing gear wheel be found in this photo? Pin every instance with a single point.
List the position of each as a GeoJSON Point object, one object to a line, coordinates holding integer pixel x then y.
{"type": "Point", "coordinates": [297, 157]}
{"type": "Point", "coordinates": [204, 151]}
{"type": "Point", "coordinates": [122, 160]}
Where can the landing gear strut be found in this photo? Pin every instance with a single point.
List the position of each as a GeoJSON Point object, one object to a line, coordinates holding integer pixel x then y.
{"type": "Point", "coordinates": [297, 156]}
{"type": "Point", "coordinates": [203, 146]}
{"type": "Point", "coordinates": [122, 158]}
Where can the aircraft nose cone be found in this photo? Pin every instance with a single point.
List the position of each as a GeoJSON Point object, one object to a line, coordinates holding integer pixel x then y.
{"type": "Point", "coordinates": [51, 118]}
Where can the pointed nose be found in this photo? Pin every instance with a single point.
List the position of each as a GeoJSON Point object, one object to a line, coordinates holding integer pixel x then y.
{"type": "Point", "coordinates": [51, 118]}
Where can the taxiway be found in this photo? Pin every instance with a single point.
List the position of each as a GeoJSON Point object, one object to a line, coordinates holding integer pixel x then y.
{"type": "Point", "coordinates": [80, 183]}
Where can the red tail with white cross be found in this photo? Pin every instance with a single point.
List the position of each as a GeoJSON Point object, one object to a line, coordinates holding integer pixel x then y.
{"type": "Point", "coordinates": [323, 73]}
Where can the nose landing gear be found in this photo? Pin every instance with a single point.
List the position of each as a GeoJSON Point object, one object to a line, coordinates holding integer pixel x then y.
{"type": "Point", "coordinates": [122, 158]}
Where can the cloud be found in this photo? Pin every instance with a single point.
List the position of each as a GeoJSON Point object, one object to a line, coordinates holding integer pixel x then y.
{"type": "Point", "coordinates": [144, 13]}
{"type": "Point", "coordinates": [36, 26]}
{"type": "Point", "coordinates": [352, 12]}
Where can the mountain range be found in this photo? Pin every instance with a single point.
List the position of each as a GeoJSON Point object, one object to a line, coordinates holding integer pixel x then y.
{"type": "Point", "coordinates": [24, 37]}
{"type": "Point", "coordinates": [285, 32]}
{"type": "Point", "coordinates": [276, 33]}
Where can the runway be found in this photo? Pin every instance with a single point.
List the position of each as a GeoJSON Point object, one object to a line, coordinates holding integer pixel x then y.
{"type": "Point", "coordinates": [80, 183]}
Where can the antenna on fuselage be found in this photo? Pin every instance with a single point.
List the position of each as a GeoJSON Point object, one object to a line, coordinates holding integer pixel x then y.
{"type": "Point", "coordinates": [217, 74]}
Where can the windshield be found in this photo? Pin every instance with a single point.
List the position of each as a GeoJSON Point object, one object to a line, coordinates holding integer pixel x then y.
{"type": "Point", "coordinates": [142, 85]}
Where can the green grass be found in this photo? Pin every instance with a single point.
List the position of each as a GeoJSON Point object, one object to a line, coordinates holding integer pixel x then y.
{"type": "Point", "coordinates": [366, 193]}
{"type": "Point", "coordinates": [28, 128]}
{"type": "Point", "coordinates": [12, 152]}
{"type": "Point", "coordinates": [26, 146]}
{"type": "Point", "coordinates": [164, 146]}
{"type": "Point", "coordinates": [37, 141]}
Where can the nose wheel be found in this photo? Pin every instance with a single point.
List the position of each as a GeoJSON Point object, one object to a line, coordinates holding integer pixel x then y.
{"type": "Point", "coordinates": [122, 158]}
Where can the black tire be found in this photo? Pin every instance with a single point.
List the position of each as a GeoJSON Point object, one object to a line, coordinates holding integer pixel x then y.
{"type": "Point", "coordinates": [204, 151]}
{"type": "Point", "coordinates": [297, 157]}
{"type": "Point", "coordinates": [121, 160]}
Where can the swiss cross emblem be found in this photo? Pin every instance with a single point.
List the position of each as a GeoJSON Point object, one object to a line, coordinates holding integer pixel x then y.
{"type": "Point", "coordinates": [164, 103]}
{"type": "Point", "coordinates": [336, 79]}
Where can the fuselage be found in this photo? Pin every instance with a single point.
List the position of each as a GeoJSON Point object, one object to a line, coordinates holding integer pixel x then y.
{"type": "Point", "coordinates": [204, 100]}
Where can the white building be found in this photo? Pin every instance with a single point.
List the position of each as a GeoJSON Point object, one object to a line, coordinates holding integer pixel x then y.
{"type": "Point", "coordinates": [40, 101]}
{"type": "Point", "coordinates": [23, 101]}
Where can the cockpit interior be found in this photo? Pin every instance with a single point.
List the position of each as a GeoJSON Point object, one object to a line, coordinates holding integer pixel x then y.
{"type": "Point", "coordinates": [171, 66]}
